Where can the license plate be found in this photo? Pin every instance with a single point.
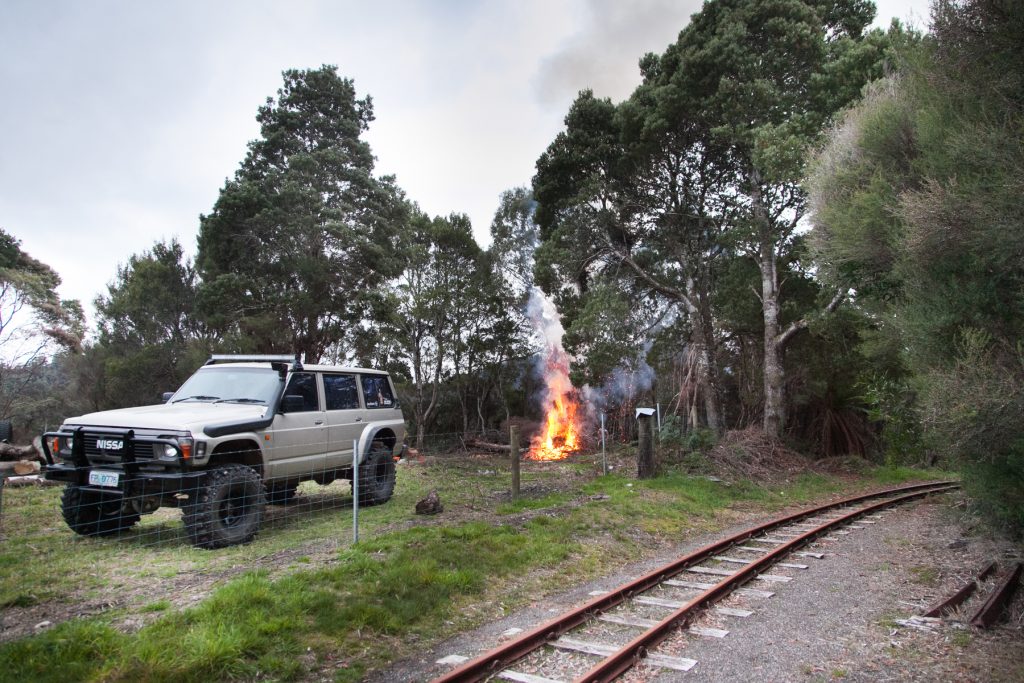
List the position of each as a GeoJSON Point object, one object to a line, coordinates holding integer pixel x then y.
{"type": "Point", "coordinates": [102, 478]}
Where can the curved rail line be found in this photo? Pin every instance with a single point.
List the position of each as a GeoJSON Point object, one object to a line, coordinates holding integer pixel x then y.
{"type": "Point", "coordinates": [613, 665]}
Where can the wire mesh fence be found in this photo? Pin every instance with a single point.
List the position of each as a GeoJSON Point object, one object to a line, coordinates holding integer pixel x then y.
{"type": "Point", "coordinates": [224, 504]}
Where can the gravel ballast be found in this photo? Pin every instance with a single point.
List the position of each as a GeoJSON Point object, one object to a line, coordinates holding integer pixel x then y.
{"type": "Point", "coordinates": [836, 620]}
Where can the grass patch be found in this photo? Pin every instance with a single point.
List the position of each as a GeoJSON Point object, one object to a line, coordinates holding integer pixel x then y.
{"type": "Point", "coordinates": [158, 606]}
{"type": "Point", "coordinates": [892, 474]}
{"type": "Point", "coordinates": [961, 638]}
{"type": "Point", "coordinates": [403, 583]}
{"type": "Point", "coordinates": [926, 576]}
{"type": "Point", "coordinates": [549, 501]}
{"type": "Point", "coordinates": [306, 613]}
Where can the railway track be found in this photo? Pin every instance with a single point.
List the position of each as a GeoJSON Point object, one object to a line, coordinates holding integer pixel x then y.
{"type": "Point", "coordinates": [693, 583]}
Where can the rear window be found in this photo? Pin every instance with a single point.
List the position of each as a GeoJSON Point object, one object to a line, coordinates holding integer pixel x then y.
{"type": "Point", "coordinates": [341, 392]}
{"type": "Point", "coordinates": [377, 392]}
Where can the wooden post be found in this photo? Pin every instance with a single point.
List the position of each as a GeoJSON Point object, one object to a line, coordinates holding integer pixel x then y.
{"type": "Point", "coordinates": [645, 449]}
{"type": "Point", "coordinates": [513, 437]}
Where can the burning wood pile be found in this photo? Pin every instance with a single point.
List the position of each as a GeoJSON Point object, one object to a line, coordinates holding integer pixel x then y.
{"type": "Point", "coordinates": [560, 434]}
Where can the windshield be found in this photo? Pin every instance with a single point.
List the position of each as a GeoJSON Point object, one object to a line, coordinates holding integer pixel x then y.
{"type": "Point", "coordinates": [245, 385]}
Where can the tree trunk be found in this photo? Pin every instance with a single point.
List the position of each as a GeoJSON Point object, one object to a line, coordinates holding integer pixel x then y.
{"type": "Point", "coordinates": [701, 339]}
{"type": "Point", "coordinates": [774, 375]}
{"type": "Point", "coordinates": [775, 339]}
{"type": "Point", "coordinates": [419, 436]}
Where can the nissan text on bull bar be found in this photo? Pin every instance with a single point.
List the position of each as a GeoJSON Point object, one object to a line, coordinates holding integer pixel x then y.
{"type": "Point", "coordinates": [240, 433]}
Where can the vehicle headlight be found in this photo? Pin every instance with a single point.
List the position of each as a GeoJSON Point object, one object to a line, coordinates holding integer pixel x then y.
{"type": "Point", "coordinates": [60, 447]}
{"type": "Point", "coordinates": [170, 452]}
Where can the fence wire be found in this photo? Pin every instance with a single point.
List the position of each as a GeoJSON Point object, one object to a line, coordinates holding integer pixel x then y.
{"type": "Point", "coordinates": [227, 505]}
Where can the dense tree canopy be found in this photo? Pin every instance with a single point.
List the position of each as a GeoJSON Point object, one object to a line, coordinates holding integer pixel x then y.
{"type": "Point", "coordinates": [918, 205]}
{"type": "Point", "coordinates": [35, 324]}
{"type": "Point", "coordinates": [149, 330]}
{"type": "Point", "coordinates": [660, 195]}
{"type": "Point", "coordinates": [304, 231]}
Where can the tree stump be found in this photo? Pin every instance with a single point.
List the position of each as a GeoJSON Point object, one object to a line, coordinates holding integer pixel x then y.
{"type": "Point", "coordinates": [431, 505]}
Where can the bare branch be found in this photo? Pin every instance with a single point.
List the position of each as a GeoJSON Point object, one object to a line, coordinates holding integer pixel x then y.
{"type": "Point", "coordinates": [783, 338]}
{"type": "Point", "coordinates": [655, 284]}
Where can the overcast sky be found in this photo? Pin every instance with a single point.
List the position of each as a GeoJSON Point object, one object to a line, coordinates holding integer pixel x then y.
{"type": "Point", "coordinates": [121, 119]}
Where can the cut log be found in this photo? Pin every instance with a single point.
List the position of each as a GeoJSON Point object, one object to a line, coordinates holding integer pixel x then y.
{"type": "Point", "coordinates": [30, 480]}
{"type": "Point", "coordinates": [26, 467]}
{"type": "Point", "coordinates": [34, 451]}
{"type": "Point", "coordinates": [493, 447]}
{"type": "Point", "coordinates": [20, 467]}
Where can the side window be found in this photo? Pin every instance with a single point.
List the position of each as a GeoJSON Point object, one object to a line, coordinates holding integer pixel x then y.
{"type": "Point", "coordinates": [377, 392]}
{"type": "Point", "coordinates": [304, 384]}
{"type": "Point", "coordinates": [340, 391]}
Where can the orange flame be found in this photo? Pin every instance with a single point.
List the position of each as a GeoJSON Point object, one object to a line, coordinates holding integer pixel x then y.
{"type": "Point", "coordinates": [560, 437]}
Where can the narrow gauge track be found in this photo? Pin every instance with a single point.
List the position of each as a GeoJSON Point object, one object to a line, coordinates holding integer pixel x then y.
{"type": "Point", "coordinates": [798, 529]}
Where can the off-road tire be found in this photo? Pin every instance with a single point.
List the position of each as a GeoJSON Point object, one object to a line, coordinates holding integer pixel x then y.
{"type": "Point", "coordinates": [89, 514]}
{"type": "Point", "coordinates": [281, 492]}
{"type": "Point", "coordinates": [377, 475]}
{"type": "Point", "coordinates": [228, 508]}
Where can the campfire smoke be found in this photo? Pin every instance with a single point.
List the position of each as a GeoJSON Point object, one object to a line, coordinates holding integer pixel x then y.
{"type": "Point", "coordinates": [560, 436]}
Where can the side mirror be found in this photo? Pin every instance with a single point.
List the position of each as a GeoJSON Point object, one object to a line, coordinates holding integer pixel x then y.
{"type": "Point", "coordinates": [167, 396]}
{"type": "Point", "coordinates": [292, 403]}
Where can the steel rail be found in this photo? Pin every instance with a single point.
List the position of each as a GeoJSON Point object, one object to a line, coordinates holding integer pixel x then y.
{"type": "Point", "coordinates": [502, 656]}
{"type": "Point", "coordinates": [993, 608]}
{"type": "Point", "coordinates": [614, 665]}
{"type": "Point", "coordinates": [960, 596]}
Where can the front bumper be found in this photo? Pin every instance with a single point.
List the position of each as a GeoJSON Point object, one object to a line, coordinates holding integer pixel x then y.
{"type": "Point", "coordinates": [135, 475]}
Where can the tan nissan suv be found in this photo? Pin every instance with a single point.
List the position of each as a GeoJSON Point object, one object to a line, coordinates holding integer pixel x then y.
{"type": "Point", "coordinates": [241, 432]}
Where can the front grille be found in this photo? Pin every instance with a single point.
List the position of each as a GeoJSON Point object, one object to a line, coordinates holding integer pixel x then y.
{"type": "Point", "coordinates": [143, 451]}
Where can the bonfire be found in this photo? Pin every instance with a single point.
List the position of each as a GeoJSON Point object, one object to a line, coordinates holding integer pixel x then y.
{"type": "Point", "coordinates": [560, 436]}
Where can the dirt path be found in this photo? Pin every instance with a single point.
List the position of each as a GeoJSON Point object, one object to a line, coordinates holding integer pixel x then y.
{"type": "Point", "coordinates": [834, 621]}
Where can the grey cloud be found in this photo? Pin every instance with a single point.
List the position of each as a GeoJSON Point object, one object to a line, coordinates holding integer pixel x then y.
{"type": "Point", "coordinates": [604, 54]}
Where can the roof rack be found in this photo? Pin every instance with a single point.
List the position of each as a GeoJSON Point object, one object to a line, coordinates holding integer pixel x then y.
{"type": "Point", "coordinates": [274, 359]}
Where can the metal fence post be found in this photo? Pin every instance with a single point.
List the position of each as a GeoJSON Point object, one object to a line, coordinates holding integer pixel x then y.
{"type": "Point", "coordinates": [604, 454]}
{"type": "Point", "coordinates": [355, 491]}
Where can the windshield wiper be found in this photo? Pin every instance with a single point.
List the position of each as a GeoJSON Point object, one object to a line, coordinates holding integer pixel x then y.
{"type": "Point", "coordinates": [240, 400]}
{"type": "Point", "coordinates": [197, 397]}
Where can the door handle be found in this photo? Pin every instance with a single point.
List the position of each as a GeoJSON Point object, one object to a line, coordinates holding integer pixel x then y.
{"type": "Point", "coordinates": [359, 419]}
{"type": "Point", "coordinates": [318, 422]}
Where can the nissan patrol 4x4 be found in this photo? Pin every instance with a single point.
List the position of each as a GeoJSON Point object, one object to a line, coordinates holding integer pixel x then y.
{"type": "Point", "coordinates": [242, 432]}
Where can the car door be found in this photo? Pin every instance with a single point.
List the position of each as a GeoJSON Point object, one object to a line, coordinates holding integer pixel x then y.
{"type": "Point", "coordinates": [300, 429]}
{"type": "Point", "coordinates": [345, 416]}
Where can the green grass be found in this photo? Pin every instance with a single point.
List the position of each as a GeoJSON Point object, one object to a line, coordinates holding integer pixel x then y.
{"type": "Point", "coordinates": [411, 580]}
{"type": "Point", "coordinates": [895, 475]}
{"type": "Point", "coordinates": [926, 576]}
{"type": "Point", "coordinates": [402, 583]}
{"type": "Point", "coordinates": [961, 638]}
